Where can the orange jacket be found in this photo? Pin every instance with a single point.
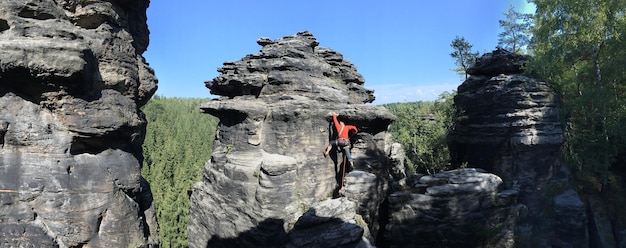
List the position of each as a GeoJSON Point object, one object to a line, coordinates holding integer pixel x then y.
{"type": "Point", "coordinates": [343, 134]}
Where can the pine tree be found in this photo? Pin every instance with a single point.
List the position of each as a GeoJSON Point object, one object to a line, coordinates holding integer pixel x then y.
{"type": "Point", "coordinates": [463, 55]}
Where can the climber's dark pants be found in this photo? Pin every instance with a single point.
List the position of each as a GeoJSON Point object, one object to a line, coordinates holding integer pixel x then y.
{"type": "Point", "coordinates": [343, 144]}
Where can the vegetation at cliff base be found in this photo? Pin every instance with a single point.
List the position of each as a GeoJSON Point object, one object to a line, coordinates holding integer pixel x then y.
{"type": "Point", "coordinates": [178, 142]}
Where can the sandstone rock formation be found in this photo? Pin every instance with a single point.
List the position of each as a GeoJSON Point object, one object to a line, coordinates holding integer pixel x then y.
{"type": "Point", "coordinates": [72, 80]}
{"type": "Point", "coordinates": [458, 208]}
{"type": "Point", "coordinates": [267, 175]}
{"type": "Point", "coordinates": [509, 125]}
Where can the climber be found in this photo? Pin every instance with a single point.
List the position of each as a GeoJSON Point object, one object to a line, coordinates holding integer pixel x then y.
{"type": "Point", "coordinates": [343, 139]}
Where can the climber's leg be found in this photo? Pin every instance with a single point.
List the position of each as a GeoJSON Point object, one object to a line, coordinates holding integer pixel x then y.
{"type": "Point", "coordinates": [346, 151]}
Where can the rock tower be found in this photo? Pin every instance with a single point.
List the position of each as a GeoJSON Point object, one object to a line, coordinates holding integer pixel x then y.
{"type": "Point", "coordinates": [509, 125]}
{"type": "Point", "coordinates": [267, 182]}
{"type": "Point", "coordinates": [72, 80]}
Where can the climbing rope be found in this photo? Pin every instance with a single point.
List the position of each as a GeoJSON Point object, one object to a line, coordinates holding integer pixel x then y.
{"type": "Point", "coordinates": [343, 175]}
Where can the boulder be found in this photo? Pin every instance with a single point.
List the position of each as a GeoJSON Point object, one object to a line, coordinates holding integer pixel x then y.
{"type": "Point", "coordinates": [458, 208]}
{"type": "Point", "coordinates": [267, 170]}
{"type": "Point", "coordinates": [330, 223]}
{"type": "Point", "coordinates": [72, 80]}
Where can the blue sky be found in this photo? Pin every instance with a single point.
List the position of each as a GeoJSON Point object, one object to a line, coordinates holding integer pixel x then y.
{"type": "Point", "coordinates": [400, 47]}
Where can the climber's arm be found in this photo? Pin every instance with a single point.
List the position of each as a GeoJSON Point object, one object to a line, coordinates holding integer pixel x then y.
{"type": "Point", "coordinates": [337, 125]}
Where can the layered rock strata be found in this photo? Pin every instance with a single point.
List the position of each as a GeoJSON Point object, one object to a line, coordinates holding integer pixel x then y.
{"type": "Point", "coordinates": [267, 170]}
{"type": "Point", "coordinates": [509, 125]}
{"type": "Point", "coordinates": [72, 80]}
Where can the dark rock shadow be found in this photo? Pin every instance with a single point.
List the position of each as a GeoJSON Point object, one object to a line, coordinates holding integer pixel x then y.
{"type": "Point", "coordinates": [268, 233]}
{"type": "Point", "coordinates": [439, 227]}
{"type": "Point", "coordinates": [145, 201]}
{"type": "Point", "coordinates": [311, 230]}
{"type": "Point", "coordinates": [228, 117]}
{"type": "Point", "coordinates": [85, 84]}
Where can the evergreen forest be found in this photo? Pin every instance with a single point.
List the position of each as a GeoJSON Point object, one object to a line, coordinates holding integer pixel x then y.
{"type": "Point", "coordinates": [179, 140]}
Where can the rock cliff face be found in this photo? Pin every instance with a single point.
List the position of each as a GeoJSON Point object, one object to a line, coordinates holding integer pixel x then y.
{"type": "Point", "coordinates": [72, 79]}
{"type": "Point", "coordinates": [267, 183]}
{"type": "Point", "coordinates": [509, 125]}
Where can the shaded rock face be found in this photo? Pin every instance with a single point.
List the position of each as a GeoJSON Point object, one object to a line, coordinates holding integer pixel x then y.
{"type": "Point", "coordinates": [458, 208]}
{"type": "Point", "coordinates": [72, 80]}
{"type": "Point", "coordinates": [328, 223]}
{"type": "Point", "coordinates": [508, 124]}
{"type": "Point", "coordinates": [267, 170]}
